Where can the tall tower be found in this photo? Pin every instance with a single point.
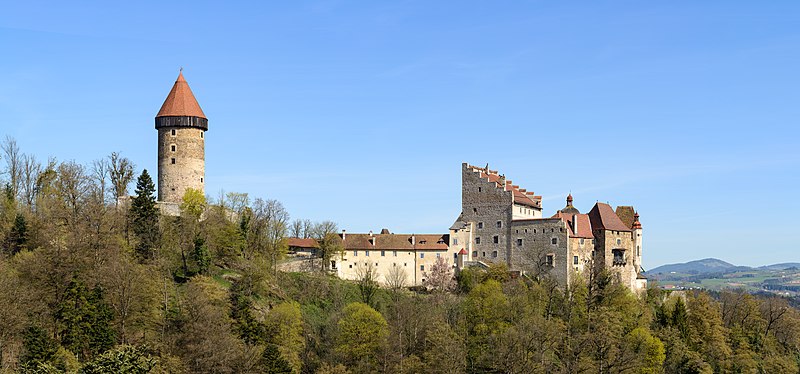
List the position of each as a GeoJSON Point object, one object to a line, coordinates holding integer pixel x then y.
{"type": "Point", "coordinates": [181, 126]}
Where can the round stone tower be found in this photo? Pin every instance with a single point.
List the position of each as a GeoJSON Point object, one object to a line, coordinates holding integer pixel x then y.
{"type": "Point", "coordinates": [181, 126]}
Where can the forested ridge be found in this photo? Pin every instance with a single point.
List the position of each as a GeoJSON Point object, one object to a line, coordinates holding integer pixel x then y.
{"type": "Point", "coordinates": [90, 283]}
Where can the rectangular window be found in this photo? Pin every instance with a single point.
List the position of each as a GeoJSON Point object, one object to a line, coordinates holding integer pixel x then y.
{"type": "Point", "coordinates": [480, 225]}
{"type": "Point", "coordinates": [201, 135]}
{"type": "Point", "coordinates": [495, 239]}
{"type": "Point", "coordinates": [172, 147]}
{"type": "Point", "coordinates": [438, 255]}
{"type": "Point", "coordinates": [422, 267]}
{"type": "Point", "coordinates": [480, 189]}
{"type": "Point", "coordinates": [172, 132]}
{"type": "Point", "coordinates": [478, 240]}
{"type": "Point", "coordinates": [172, 161]}
{"type": "Point", "coordinates": [355, 253]}
{"type": "Point", "coordinates": [394, 253]}
{"type": "Point", "coordinates": [499, 224]}
{"type": "Point", "coordinates": [421, 255]}
{"type": "Point", "coordinates": [554, 241]}
{"type": "Point", "coordinates": [455, 241]}
{"type": "Point", "coordinates": [581, 241]}
{"type": "Point", "coordinates": [474, 254]}
{"type": "Point", "coordinates": [383, 253]}
{"type": "Point", "coordinates": [549, 260]}
{"type": "Point", "coordinates": [366, 253]}
{"type": "Point", "coordinates": [574, 260]}
{"type": "Point", "coordinates": [519, 242]}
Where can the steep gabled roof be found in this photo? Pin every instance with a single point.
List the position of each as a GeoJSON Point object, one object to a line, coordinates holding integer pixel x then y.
{"type": "Point", "coordinates": [604, 218]}
{"type": "Point", "coordinates": [520, 196]}
{"type": "Point", "coordinates": [180, 102]}
{"type": "Point", "coordinates": [625, 214]}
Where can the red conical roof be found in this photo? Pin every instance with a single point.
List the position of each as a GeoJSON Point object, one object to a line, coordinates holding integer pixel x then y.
{"type": "Point", "coordinates": [180, 101]}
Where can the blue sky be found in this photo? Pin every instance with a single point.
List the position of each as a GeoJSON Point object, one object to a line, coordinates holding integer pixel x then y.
{"type": "Point", "coordinates": [362, 112]}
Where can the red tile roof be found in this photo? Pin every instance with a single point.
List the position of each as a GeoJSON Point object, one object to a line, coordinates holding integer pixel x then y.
{"type": "Point", "coordinates": [462, 251]}
{"type": "Point", "coordinates": [584, 224]}
{"type": "Point", "coordinates": [396, 241]}
{"type": "Point", "coordinates": [521, 196]}
{"type": "Point", "coordinates": [604, 218]}
{"type": "Point", "coordinates": [180, 102]}
{"type": "Point", "coordinates": [302, 243]}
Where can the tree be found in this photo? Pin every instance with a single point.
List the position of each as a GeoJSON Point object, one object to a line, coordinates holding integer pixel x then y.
{"type": "Point", "coordinates": [396, 278]}
{"type": "Point", "coordinates": [362, 333]}
{"type": "Point", "coordinates": [367, 282]}
{"type": "Point", "coordinates": [121, 174]}
{"type": "Point", "coordinates": [37, 345]}
{"type": "Point", "coordinates": [144, 217]}
{"type": "Point", "coordinates": [14, 162]}
{"type": "Point", "coordinates": [285, 325]}
{"type": "Point", "coordinates": [273, 362]}
{"type": "Point", "coordinates": [125, 359]}
{"type": "Point", "coordinates": [18, 237]}
{"type": "Point", "coordinates": [193, 203]}
{"type": "Point", "coordinates": [329, 242]}
{"type": "Point", "coordinates": [85, 321]}
{"type": "Point", "coordinates": [440, 276]}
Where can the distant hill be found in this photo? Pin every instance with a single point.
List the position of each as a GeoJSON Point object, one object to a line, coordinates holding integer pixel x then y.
{"type": "Point", "coordinates": [783, 266]}
{"type": "Point", "coordinates": [707, 265]}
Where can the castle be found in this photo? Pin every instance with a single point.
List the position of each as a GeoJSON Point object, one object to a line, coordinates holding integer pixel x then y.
{"type": "Point", "coordinates": [499, 221]}
{"type": "Point", "coordinates": [502, 223]}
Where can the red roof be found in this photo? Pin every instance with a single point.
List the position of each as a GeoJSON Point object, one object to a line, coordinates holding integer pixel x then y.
{"type": "Point", "coordinates": [604, 218]}
{"type": "Point", "coordinates": [521, 196]}
{"type": "Point", "coordinates": [462, 251]}
{"type": "Point", "coordinates": [396, 241]}
{"type": "Point", "coordinates": [180, 102]}
{"type": "Point", "coordinates": [584, 224]}
{"type": "Point", "coordinates": [302, 243]}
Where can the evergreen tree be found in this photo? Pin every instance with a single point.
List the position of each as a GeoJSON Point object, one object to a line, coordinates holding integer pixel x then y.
{"type": "Point", "coordinates": [18, 237]}
{"type": "Point", "coordinates": [85, 321]}
{"type": "Point", "coordinates": [201, 256]}
{"type": "Point", "coordinates": [273, 362]}
{"type": "Point", "coordinates": [37, 346]}
{"type": "Point", "coordinates": [144, 216]}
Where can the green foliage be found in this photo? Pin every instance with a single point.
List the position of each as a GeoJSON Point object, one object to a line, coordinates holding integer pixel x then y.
{"type": "Point", "coordinates": [193, 203]}
{"type": "Point", "coordinates": [37, 346]}
{"type": "Point", "coordinates": [362, 333]}
{"type": "Point", "coordinates": [144, 216]}
{"type": "Point", "coordinates": [272, 361]}
{"type": "Point", "coordinates": [124, 359]}
{"type": "Point", "coordinates": [85, 321]}
{"type": "Point", "coordinates": [201, 256]}
{"type": "Point", "coordinates": [18, 237]}
{"type": "Point", "coordinates": [284, 324]}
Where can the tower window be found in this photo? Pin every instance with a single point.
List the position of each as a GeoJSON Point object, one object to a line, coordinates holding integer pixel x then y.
{"type": "Point", "coordinates": [495, 239]}
{"type": "Point", "coordinates": [574, 260]}
{"type": "Point", "coordinates": [172, 161]}
{"type": "Point", "coordinates": [478, 240]}
{"type": "Point", "coordinates": [494, 254]}
{"type": "Point", "coordinates": [519, 242]}
{"type": "Point", "coordinates": [172, 147]}
{"type": "Point", "coordinates": [201, 180]}
{"type": "Point", "coordinates": [172, 132]}
{"type": "Point", "coordinates": [499, 224]}
{"type": "Point", "coordinates": [480, 225]}
{"type": "Point", "coordinates": [549, 260]}
{"type": "Point", "coordinates": [201, 134]}
{"type": "Point", "coordinates": [554, 241]}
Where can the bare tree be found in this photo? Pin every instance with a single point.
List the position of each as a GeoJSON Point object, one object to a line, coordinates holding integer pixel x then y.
{"type": "Point", "coordinates": [367, 282]}
{"type": "Point", "coordinates": [396, 278]}
{"type": "Point", "coordinates": [296, 228]}
{"type": "Point", "coordinates": [13, 162]}
{"type": "Point", "coordinates": [308, 229]}
{"type": "Point", "coordinates": [329, 242]}
{"type": "Point", "coordinates": [121, 173]}
{"type": "Point", "coordinates": [100, 173]}
{"type": "Point", "coordinates": [29, 175]}
{"type": "Point", "coordinates": [237, 201]}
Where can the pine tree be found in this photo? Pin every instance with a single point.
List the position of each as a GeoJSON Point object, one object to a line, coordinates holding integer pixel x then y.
{"type": "Point", "coordinates": [273, 362]}
{"type": "Point", "coordinates": [144, 216]}
{"type": "Point", "coordinates": [18, 237]}
{"type": "Point", "coordinates": [37, 345]}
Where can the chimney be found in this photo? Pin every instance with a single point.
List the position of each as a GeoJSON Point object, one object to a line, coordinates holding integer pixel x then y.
{"type": "Point", "coordinates": [575, 224]}
{"type": "Point", "coordinates": [344, 234]}
{"type": "Point", "coordinates": [370, 232]}
{"type": "Point", "coordinates": [413, 240]}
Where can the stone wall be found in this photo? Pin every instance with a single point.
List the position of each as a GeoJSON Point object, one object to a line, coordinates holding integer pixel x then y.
{"type": "Point", "coordinates": [181, 162]}
{"type": "Point", "coordinates": [537, 237]}
{"type": "Point", "coordinates": [606, 241]}
{"type": "Point", "coordinates": [485, 204]}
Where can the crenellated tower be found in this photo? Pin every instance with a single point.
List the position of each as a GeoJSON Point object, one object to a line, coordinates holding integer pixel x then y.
{"type": "Point", "coordinates": [181, 126]}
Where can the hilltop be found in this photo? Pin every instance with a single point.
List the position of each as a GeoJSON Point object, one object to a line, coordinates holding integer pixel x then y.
{"type": "Point", "coordinates": [716, 274]}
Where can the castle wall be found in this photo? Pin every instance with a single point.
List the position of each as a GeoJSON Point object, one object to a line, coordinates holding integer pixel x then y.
{"type": "Point", "coordinates": [486, 204]}
{"type": "Point", "coordinates": [606, 241]}
{"type": "Point", "coordinates": [415, 263]}
{"type": "Point", "coordinates": [188, 169]}
{"type": "Point", "coordinates": [531, 255]}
